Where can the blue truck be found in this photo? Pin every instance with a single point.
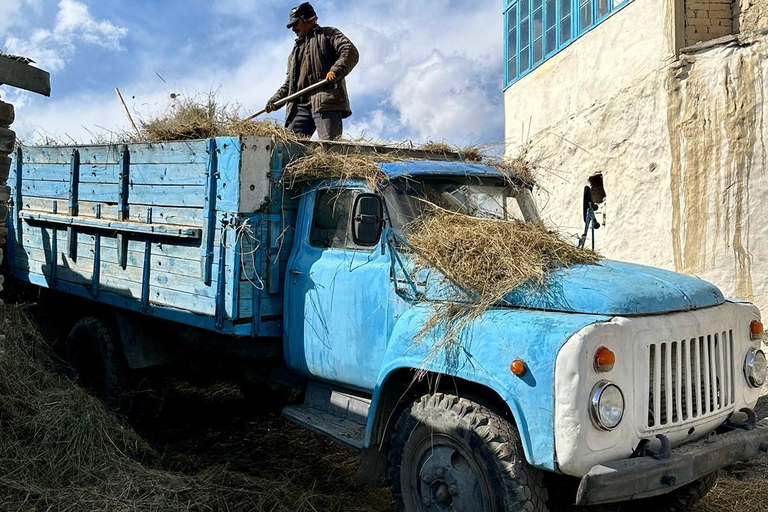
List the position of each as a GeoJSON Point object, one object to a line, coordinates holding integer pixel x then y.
{"type": "Point", "coordinates": [617, 382]}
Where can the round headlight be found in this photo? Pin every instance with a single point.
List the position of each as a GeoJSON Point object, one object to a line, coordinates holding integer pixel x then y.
{"type": "Point", "coordinates": [755, 368]}
{"type": "Point", "coordinates": [606, 406]}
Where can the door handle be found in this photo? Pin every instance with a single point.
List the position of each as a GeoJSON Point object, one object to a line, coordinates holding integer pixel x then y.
{"type": "Point", "coordinates": [296, 272]}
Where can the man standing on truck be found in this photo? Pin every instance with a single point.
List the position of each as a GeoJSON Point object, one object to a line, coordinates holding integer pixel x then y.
{"type": "Point", "coordinates": [320, 53]}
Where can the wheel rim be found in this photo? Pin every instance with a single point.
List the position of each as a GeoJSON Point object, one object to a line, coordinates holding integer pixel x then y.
{"type": "Point", "coordinates": [445, 476]}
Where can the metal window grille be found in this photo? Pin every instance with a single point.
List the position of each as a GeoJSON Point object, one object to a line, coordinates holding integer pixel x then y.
{"type": "Point", "coordinates": [538, 29]}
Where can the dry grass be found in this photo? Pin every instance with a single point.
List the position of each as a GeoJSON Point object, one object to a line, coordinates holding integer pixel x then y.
{"type": "Point", "coordinates": [486, 259]}
{"type": "Point", "coordinates": [61, 450]}
{"type": "Point", "coordinates": [524, 166]}
{"type": "Point", "coordinates": [742, 487]}
{"type": "Point", "coordinates": [468, 154]}
{"type": "Point", "coordinates": [322, 164]}
{"type": "Point", "coordinates": [189, 118]}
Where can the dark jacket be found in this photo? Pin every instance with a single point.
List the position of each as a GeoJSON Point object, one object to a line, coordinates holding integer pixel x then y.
{"type": "Point", "coordinates": [327, 49]}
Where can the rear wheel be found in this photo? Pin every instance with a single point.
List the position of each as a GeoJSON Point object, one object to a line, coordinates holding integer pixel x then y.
{"type": "Point", "coordinates": [450, 453]}
{"type": "Point", "coordinates": [98, 364]}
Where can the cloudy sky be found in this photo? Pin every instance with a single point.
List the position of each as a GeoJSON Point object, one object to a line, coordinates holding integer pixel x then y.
{"type": "Point", "coordinates": [429, 70]}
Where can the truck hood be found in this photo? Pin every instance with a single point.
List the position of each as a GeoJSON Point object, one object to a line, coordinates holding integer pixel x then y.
{"type": "Point", "coordinates": [609, 288]}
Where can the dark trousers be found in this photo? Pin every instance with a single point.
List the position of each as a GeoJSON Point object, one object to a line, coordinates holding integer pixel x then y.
{"type": "Point", "coordinates": [328, 124]}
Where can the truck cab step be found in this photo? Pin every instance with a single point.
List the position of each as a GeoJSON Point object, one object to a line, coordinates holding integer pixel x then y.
{"type": "Point", "coordinates": [339, 415]}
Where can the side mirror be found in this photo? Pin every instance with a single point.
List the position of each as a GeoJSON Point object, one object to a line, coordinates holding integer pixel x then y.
{"type": "Point", "coordinates": [367, 220]}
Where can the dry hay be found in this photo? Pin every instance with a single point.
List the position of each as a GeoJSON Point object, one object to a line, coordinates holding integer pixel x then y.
{"type": "Point", "coordinates": [60, 449]}
{"type": "Point", "coordinates": [467, 154]}
{"type": "Point", "coordinates": [524, 166]}
{"type": "Point", "coordinates": [189, 118]}
{"type": "Point", "coordinates": [486, 259]}
{"type": "Point", "coordinates": [742, 487]}
{"type": "Point", "coordinates": [322, 164]}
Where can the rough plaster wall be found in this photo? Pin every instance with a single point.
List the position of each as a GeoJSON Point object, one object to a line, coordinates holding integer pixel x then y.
{"type": "Point", "coordinates": [622, 138]}
{"type": "Point", "coordinates": [717, 133]}
{"type": "Point", "coordinates": [753, 14]}
{"type": "Point", "coordinates": [684, 162]}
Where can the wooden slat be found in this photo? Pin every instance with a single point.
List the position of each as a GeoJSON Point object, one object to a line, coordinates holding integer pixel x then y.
{"type": "Point", "coordinates": [162, 215]}
{"type": "Point", "coordinates": [165, 230]}
{"type": "Point", "coordinates": [140, 174]}
{"type": "Point", "coordinates": [34, 261]}
{"type": "Point", "coordinates": [176, 152]}
{"type": "Point", "coordinates": [182, 195]}
{"type": "Point", "coordinates": [33, 237]}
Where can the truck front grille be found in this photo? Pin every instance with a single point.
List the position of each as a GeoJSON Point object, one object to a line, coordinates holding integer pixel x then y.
{"type": "Point", "coordinates": [689, 379]}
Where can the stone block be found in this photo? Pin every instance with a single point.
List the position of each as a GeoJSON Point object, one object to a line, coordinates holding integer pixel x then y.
{"type": "Point", "coordinates": [5, 167]}
{"type": "Point", "coordinates": [7, 115]}
{"type": "Point", "coordinates": [7, 140]}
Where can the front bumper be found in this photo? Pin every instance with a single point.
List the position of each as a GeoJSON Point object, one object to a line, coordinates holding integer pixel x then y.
{"type": "Point", "coordinates": [645, 477]}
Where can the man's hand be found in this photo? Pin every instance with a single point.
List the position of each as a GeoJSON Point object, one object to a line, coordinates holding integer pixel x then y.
{"type": "Point", "coordinates": [270, 107]}
{"type": "Point", "coordinates": [331, 76]}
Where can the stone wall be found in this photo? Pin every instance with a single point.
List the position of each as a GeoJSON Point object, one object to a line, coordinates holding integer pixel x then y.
{"type": "Point", "coordinates": [7, 142]}
{"type": "Point", "coordinates": [752, 14]}
{"type": "Point", "coordinates": [685, 167]}
{"type": "Point", "coordinates": [708, 19]}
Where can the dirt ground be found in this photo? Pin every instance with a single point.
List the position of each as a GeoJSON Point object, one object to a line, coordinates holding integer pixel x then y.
{"type": "Point", "coordinates": [214, 425]}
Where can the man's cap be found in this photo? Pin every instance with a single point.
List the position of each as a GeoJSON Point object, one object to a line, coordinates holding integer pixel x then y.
{"type": "Point", "coordinates": [302, 11]}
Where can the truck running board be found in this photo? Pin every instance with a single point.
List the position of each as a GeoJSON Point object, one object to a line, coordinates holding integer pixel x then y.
{"type": "Point", "coordinates": [338, 415]}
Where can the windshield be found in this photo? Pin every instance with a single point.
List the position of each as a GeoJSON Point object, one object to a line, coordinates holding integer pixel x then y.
{"type": "Point", "coordinates": [408, 198]}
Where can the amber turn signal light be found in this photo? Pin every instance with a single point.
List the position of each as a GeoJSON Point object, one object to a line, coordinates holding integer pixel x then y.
{"type": "Point", "coordinates": [518, 367]}
{"type": "Point", "coordinates": [605, 360]}
{"type": "Point", "coordinates": [756, 330]}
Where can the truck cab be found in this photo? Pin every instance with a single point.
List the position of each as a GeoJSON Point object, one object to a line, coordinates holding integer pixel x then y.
{"type": "Point", "coordinates": [613, 382]}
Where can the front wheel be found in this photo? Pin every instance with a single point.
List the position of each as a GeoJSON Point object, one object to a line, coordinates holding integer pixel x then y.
{"type": "Point", "coordinates": [450, 453]}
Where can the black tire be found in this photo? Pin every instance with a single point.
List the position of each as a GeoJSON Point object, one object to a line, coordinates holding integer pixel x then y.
{"type": "Point", "coordinates": [679, 500]}
{"type": "Point", "coordinates": [450, 453]}
{"type": "Point", "coordinates": [97, 363]}
{"type": "Point", "coordinates": [7, 115]}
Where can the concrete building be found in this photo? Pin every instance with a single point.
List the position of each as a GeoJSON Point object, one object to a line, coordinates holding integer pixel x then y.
{"type": "Point", "coordinates": [663, 102]}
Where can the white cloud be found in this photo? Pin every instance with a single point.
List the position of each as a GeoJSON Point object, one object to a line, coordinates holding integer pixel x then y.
{"type": "Point", "coordinates": [74, 22]}
{"type": "Point", "coordinates": [445, 98]}
{"type": "Point", "coordinates": [51, 48]}
{"type": "Point", "coordinates": [435, 76]}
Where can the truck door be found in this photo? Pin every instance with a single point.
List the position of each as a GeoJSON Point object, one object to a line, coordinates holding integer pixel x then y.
{"type": "Point", "coordinates": [338, 295]}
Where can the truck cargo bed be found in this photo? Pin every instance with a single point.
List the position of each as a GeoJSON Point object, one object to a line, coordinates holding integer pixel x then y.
{"type": "Point", "coordinates": [192, 231]}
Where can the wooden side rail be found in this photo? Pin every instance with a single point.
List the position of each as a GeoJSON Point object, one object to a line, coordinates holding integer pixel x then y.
{"type": "Point", "coordinates": [117, 226]}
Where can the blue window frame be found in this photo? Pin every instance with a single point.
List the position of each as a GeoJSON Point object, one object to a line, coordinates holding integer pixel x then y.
{"type": "Point", "coordinates": [538, 29]}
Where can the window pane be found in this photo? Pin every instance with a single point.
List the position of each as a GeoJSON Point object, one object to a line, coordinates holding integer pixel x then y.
{"type": "Point", "coordinates": [585, 15]}
{"type": "Point", "coordinates": [538, 51]}
{"type": "Point", "coordinates": [525, 43]}
{"type": "Point", "coordinates": [551, 41]}
{"type": "Point", "coordinates": [565, 21]}
{"type": "Point", "coordinates": [512, 43]}
{"type": "Point", "coordinates": [525, 59]}
{"type": "Point", "coordinates": [512, 68]}
{"type": "Point", "coordinates": [331, 219]}
{"type": "Point", "coordinates": [525, 9]}
{"type": "Point", "coordinates": [603, 6]}
{"type": "Point", "coordinates": [551, 14]}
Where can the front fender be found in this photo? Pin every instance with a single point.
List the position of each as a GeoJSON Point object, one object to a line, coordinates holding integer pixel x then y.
{"type": "Point", "coordinates": [486, 348]}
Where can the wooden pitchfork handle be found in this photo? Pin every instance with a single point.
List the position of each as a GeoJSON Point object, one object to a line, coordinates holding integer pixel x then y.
{"type": "Point", "coordinates": [290, 98]}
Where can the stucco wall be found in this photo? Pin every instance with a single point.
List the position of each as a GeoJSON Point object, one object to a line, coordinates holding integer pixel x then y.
{"type": "Point", "coordinates": [632, 43]}
{"type": "Point", "coordinates": [683, 156]}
